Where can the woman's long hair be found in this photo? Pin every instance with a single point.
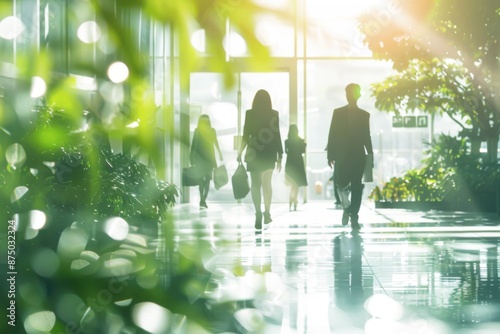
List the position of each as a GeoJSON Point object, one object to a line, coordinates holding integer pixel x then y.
{"type": "Point", "coordinates": [204, 122]}
{"type": "Point", "coordinates": [205, 127]}
{"type": "Point", "coordinates": [262, 100]}
{"type": "Point", "coordinates": [293, 131]}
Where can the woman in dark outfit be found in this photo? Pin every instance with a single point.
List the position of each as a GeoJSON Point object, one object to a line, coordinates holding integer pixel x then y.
{"type": "Point", "coordinates": [262, 140]}
{"type": "Point", "coordinates": [202, 155]}
{"type": "Point", "coordinates": [295, 171]}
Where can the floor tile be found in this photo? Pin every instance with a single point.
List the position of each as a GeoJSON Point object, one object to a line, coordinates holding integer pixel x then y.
{"type": "Point", "coordinates": [404, 272]}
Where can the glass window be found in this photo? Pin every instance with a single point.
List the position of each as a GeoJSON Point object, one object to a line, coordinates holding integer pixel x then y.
{"type": "Point", "coordinates": [29, 14]}
{"type": "Point", "coordinates": [331, 26]}
{"type": "Point", "coordinates": [53, 17]}
{"type": "Point", "coordinates": [161, 40]}
{"type": "Point", "coordinates": [82, 55]}
{"type": "Point", "coordinates": [276, 34]}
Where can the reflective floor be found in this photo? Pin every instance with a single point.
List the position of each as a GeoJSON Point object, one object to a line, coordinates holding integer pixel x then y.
{"type": "Point", "coordinates": [404, 272]}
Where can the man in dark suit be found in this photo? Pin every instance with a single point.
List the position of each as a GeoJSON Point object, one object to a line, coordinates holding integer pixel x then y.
{"type": "Point", "coordinates": [349, 143]}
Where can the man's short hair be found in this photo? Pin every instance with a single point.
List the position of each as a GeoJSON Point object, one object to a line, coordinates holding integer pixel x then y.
{"type": "Point", "coordinates": [354, 89]}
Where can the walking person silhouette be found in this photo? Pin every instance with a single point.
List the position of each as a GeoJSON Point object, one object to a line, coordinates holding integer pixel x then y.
{"type": "Point", "coordinates": [202, 155]}
{"type": "Point", "coordinates": [349, 143]}
{"type": "Point", "coordinates": [264, 151]}
{"type": "Point", "coordinates": [295, 171]}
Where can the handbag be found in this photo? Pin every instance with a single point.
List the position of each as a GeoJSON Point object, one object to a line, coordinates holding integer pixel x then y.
{"type": "Point", "coordinates": [220, 176]}
{"type": "Point", "coordinates": [239, 180]}
{"type": "Point", "coordinates": [191, 176]}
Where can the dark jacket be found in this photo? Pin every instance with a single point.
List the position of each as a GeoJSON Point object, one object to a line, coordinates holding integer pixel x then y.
{"type": "Point", "coordinates": [202, 149]}
{"type": "Point", "coordinates": [349, 138]}
{"type": "Point", "coordinates": [262, 135]}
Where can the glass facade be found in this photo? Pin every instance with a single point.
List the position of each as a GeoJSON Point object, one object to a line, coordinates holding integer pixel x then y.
{"type": "Point", "coordinates": [316, 51]}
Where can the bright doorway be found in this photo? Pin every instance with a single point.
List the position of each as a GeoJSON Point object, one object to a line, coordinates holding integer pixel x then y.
{"type": "Point", "coordinates": [226, 109]}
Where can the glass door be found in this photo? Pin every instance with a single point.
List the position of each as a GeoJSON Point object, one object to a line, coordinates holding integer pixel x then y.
{"type": "Point", "coordinates": [226, 109]}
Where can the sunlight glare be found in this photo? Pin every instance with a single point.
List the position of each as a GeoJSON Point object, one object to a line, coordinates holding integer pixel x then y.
{"type": "Point", "coordinates": [384, 307]}
{"type": "Point", "coordinates": [347, 8]}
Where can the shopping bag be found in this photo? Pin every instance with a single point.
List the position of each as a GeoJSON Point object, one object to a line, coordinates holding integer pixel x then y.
{"type": "Point", "coordinates": [191, 176]}
{"type": "Point", "coordinates": [220, 176]}
{"type": "Point", "coordinates": [239, 181]}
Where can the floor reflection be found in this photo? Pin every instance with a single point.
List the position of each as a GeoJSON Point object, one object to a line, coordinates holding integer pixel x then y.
{"type": "Point", "coordinates": [347, 251]}
{"type": "Point", "coordinates": [405, 272]}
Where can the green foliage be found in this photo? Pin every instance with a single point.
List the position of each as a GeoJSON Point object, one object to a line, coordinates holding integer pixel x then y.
{"type": "Point", "coordinates": [442, 52]}
{"type": "Point", "coordinates": [449, 174]}
{"type": "Point", "coordinates": [87, 217]}
{"type": "Point", "coordinates": [395, 190]}
{"type": "Point", "coordinates": [74, 172]}
{"type": "Point", "coordinates": [414, 185]}
{"type": "Point", "coordinates": [437, 87]}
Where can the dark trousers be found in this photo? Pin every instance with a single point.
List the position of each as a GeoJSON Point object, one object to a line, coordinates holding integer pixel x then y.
{"type": "Point", "coordinates": [350, 173]}
{"type": "Point", "coordinates": [335, 190]}
{"type": "Point", "coordinates": [204, 187]}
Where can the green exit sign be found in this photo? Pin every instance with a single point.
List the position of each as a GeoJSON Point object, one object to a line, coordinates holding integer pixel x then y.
{"type": "Point", "coordinates": [409, 122]}
{"type": "Point", "coordinates": [422, 121]}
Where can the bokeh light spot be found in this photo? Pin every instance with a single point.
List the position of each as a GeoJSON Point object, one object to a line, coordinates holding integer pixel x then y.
{"type": "Point", "coordinates": [37, 219]}
{"type": "Point", "coordinates": [88, 263]}
{"type": "Point", "coordinates": [11, 27]}
{"type": "Point", "coordinates": [234, 44]}
{"type": "Point", "coordinates": [79, 264]}
{"type": "Point", "coordinates": [68, 308]}
{"type": "Point", "coordinates": [45, 262]}
{"type": "Point", "coordinates": [116, 267]}
{"type": "Point", "coordinates": [118, 72]}
{"type": "Point", "coordinates": [38, 87]}
{"type": "Point", "coordinates": [42, 321]}
{"type": "Point", "coordinates": [33, 292]}
{"type": "Point", "coordinates": [125, 302]}
{"type": "Point", "coordinates": [89, 32]}
{"type": "Point", "coordinates": [18, 193]}
{"type": "Point", "coordinates": [15, 155]}
{"type": "Point", "coordinates": [72, 242]}
{"type": "Point", "coordinates": [147, 281]}
{"type": "Point", "coordinates": [151, 317]}
{"type": "Point", "coordinates": [116, 228]}
{"type": "Point", "coordinates": [250, 319]}
{"type": "Point", "coordinates": [198, 40]}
